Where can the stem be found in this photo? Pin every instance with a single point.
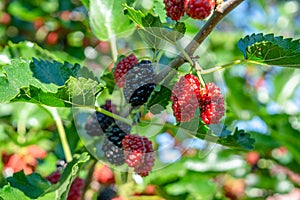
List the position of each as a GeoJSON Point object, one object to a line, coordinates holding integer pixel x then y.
{"type": "Point", "coordinates": [118, 177]}
{"type": "Point", "coordinates": [199, 69]}
{"type": "Point", "coordinates": [61, 132]}
{"type": "Point", "coordinates": [112, 115]}
{"type": "Point", "coordinates": [89, 176]}
{"type": "Point", "coordinates": [216, 68]}
{"type": "Point", "coordinates": [114, 49]}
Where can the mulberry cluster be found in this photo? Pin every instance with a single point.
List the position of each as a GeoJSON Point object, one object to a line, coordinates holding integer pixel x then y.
{"type": "Point", "coordinates": [140, 82]}
{"type": "Point", "coordinates": [139, 153]}
{"type": "Point", "coordinates": [196, 9]}
{"type": "Point", "coordinates": [187, 96]}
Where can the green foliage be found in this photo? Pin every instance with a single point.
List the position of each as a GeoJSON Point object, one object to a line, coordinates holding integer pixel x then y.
{"type": "Point", "coordinates": [238, 138]}
{"type": "Point", "coordinates": [271, 50]}
{"type": "Point", "coordinates": [105, 18]}
{"type": "Point", "coordinates": [9, 192]}
{"type": "Point", "coordinates": [32, 185]}
{"type": "Point", "coordinates": [159, 99]}
{"type": "Point", "coordinates": [61, 189]}
{"type": "Point", "coordinates": [53, 72]}
{"type": "Point", "coordinates": [48, 83]}
{"type": "Point", "coordinates": [154, 31]}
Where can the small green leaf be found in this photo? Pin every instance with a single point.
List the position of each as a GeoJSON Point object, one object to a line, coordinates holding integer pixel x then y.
{"type": "Point", "coordinates": [159, 9]}
{"type": "Point", "coordinates": [107, 19]}
{"type": "Point", "coordinates": [159, 99]}
{"type": "Point", "coordinates": [271, 50]}
{"type": "Point", "coordinates": [82, 91]}
{"type": "Point", "coordinates": [32, 185]}
{"type": "Point", "coordinates": [238, 138]}
{"type": "Point", "coordinates": [135, 15]}
{"type": "Point", "coordinates": [153, 31]}
{"type": "Point", "coordinates": [9, 193]}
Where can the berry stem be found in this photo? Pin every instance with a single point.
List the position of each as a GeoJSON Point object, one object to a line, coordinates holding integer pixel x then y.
{"type": "Point", "coordinates": [199, 69]}
{"type": "Point", "coordinates": [112, 115]}
{"type": "Point", "coordinates": [219, 67]}
{"type": "Point", "coordinates": [61, 132]}
{"type": "Point", "coordinates": [89, 176]}
{"type": "Point", "coordinates": [113, 46]}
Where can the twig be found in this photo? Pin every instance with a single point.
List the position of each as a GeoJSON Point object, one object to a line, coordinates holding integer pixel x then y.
{"type": "Point", "coordinates": [220, 12]}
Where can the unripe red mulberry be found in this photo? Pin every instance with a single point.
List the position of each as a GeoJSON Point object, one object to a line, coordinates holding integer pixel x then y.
{"type": "Point", "coordinates": [139, 153]}
{"type": "Point", "coordinates": [185, 95]}
{"type": "Point", "coordinates": [199, 9]}
{"type": "Point", "coordinates": [174, 8]}
{"type": "Point", "coordinates": [212, 104]}
{"type": "Point", "coordinates": [122, 67]}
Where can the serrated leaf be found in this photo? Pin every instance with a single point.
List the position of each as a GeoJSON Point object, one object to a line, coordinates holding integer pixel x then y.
{"type": "Point", "coordinates": [9, 193]}
{"type": "Point", "coordinates": [61, 189]}
{"type": "Point", "coordinates": [53, 72]}
{"type": "Point", "coordinates": [271, 50]}
{"type": "Point", "coordinates": [153, 31]}
{"type": "Point", "coordinates": [159, 100]}
{"type": "Point", "coordinates": [107, 19]}
{"type": "Point", "coordinates": [36, 83]}
{"type": "Point", "coordinates": [82, 91]}
{"type": "Point", "coordinates": [76, 92]}
{"type": "Point", "coordinates": [135, 15]}
{"type": "Point", "coordinates": [18, 75]}
{"type": "Point", "coordinates": [238, 138]}
{"type": "Point", "coordinates": [159, 10]}
{"type": "Point", "coordinates": [32, 185]}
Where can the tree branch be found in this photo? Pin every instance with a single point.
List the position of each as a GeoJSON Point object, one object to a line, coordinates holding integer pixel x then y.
{"type": "Point", "coordinates": [220, 12]}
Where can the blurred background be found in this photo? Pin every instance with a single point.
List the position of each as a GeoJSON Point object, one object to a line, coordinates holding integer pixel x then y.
{"type": "Point", "coordinates": [265, 101]}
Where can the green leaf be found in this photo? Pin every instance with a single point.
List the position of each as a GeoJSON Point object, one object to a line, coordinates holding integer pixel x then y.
{"type": "Point", "coordinates": [27, 50]}
{"type": "Point", "coordinates": [32, 185]}
{"type": "Point", "coordinates": [107, 19]}
{"type": "Point", "coordinates": [48, 83]}
{"type": "Point", "coordinates": [153, 31]}
{"type": "Point", "coordinates": [53, 72]}
{"type": "Point", "coordinates": [18, 75]}
{"type": "Point", "coordinates": [159, 9]}
{"type": "Point", "coordinates": [82, 91]}
{"type": "Point", "coordinates": [159, 99]}
{"type": "Point", "coordinates": [75, 92]}
{"type": "Point", "coordinates": [271, 50]}
{"type": "Point", "coordinates": [238, 139]}
{"type": "Point", "coordinates": [9, 193]}
{"type": "Point", "coordinates": [135, 15]}
{"type": "Point", "coordinates": [61, 189]}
